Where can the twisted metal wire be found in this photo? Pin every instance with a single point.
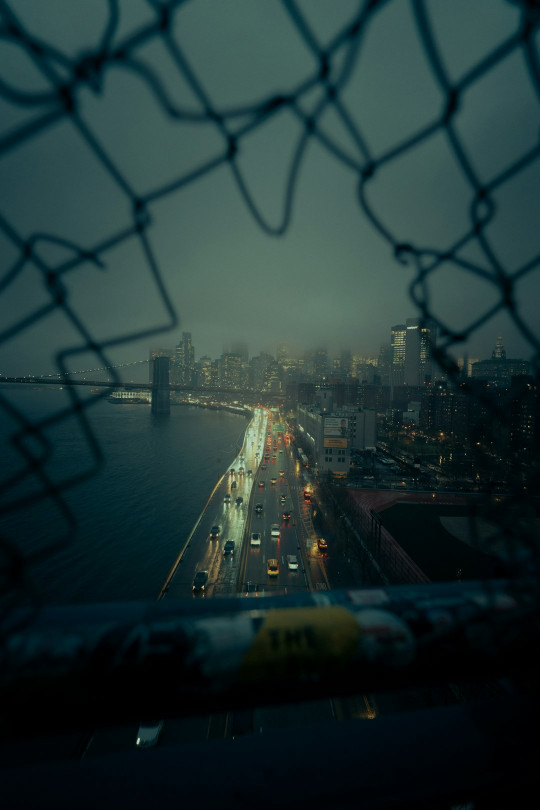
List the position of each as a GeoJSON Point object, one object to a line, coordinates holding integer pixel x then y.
{"type": "Point", "coordinates": [67, 78]}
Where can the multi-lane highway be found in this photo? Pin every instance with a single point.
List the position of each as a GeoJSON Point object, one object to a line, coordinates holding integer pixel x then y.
{"type": "Point", "coordinates": [262, 484]}
{"type": "Point", "coordinates": [254, 496]}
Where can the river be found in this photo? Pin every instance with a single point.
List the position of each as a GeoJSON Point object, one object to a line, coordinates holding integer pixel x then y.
{"type": "Point", "coordinates": [132, 516]}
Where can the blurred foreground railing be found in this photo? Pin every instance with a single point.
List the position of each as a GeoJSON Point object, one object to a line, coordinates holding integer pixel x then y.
{"type": "Point", "coordinates": [97, 665]}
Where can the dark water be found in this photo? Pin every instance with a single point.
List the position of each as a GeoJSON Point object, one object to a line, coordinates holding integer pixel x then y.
{"type": "Point", "coordinates": [133, 515]}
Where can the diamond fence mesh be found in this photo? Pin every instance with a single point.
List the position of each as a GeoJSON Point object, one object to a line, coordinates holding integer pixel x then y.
{"type": "Point", "coordinates": [68, 84]}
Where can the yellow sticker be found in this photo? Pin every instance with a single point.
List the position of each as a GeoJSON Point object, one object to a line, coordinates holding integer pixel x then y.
{"type": "Point", "coordinates": [302, 640]}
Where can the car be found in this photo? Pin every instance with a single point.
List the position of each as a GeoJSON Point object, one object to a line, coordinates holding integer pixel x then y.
{"type": "Point", "coordinates": [228, 548]}
{"type": "Point", "coordinates": [227, 498]}
{"type": "Point", "coordinates": [239, 500]}
{"type": "Point", "coordinates": [272, 567]}
{"type": "Point", "coordinates": [274, 531]}
{"type": "Point", "coordinates": [250, 472]}
{"type": "Point", "coordinates": [273, 481]}
{"type": "Point", "coordinates": [283, 497]}
{"type": "Point", "coordinates": [240, 471]}
{"type": "Point", "coordinates": [258, 508]}
{"type": "Point", "coordinates": [264, 466]}
{"type": "Point", "coordinates": [255, 538]}
{"type": "Point", "coordinates": [233, 485]}
{"type": "Point", "coordinates": [214, 532]}
{"type": "Point", "coordinates": [231, 471]}
{"type": "Point", "coordinates": [261, 484]}
{"type": "Point", "coordinates": [323, 545]}
{"type": "Point", "coordinates": [292, 562]}
{"type": "Point", "coordinates": [286, 515]}
{"type": "Point", "coordinates": [282, 473]}
{"type": "Point", "coordinates": [200, 581]}
{"type": "Point", "coordinates": [148, 734]}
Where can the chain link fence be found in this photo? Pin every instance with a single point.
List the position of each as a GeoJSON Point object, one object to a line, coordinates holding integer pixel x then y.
{"type": "Point", "coordinates": [66, 85]}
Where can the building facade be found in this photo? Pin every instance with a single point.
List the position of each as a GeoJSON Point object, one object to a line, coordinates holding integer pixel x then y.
{"type": "Point", "coordinates": [330, 435]}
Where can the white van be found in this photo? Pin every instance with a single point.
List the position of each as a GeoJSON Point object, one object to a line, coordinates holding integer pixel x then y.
{"type": "Point", "coordinates": [148, 734]}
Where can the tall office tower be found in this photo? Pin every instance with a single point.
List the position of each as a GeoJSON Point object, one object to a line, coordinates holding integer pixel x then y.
{"type": "Point", "coordinates": [272, 377]}
{"type": "Point", "coordinates": [231, 370]}
{"type": "Point", "coordinates": [320, 363]}
{"type": "Point", "coordinates": [428, 340]}
{"type": "Point", "coordinates": [183, 370]}
{"type": "Point", "coordinates": [412, 352]}
{"type": "Point", "coordinates": [397, 351]}
{"type": "Point", "coordinates": [257, 370]}
{"type": "Point", "coordinates": [419, 339]}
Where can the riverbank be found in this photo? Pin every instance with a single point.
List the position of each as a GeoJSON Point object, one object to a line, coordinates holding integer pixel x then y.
{"type": "Point", "coordinates": [145, 399]}
{"type": "Point", "coordinates": [243, 410]}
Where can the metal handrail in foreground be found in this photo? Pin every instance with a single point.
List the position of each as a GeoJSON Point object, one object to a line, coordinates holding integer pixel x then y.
{"type": "Point", "coordinates": [66, 668]}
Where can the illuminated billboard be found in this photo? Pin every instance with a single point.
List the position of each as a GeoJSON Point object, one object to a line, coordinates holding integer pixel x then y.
{"type": "Point", "coordinates": [335, 426]}
{"type": "Point", "coordinates": [335, 441]}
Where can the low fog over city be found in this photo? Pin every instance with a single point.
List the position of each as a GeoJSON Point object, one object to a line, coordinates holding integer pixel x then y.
{"type": "Point", "coordinates": [259, 173]}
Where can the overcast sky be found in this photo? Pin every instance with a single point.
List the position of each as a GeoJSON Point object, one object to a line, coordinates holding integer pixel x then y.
{"type": "Point", "coordinates": [328, 277]}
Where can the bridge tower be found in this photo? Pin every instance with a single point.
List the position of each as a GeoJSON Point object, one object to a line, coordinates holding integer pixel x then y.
{"type": "Point", "coordinates": [161, 395]}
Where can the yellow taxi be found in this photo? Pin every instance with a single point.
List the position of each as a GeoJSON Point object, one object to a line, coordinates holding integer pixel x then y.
{"type": "Point", "coordinates": [272, 568]}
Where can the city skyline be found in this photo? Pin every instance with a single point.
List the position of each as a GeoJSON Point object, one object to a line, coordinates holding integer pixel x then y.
{"type": "Point", "coordinates": [296, 353]}
{"type": "Point", "coordinates": [309, 222]}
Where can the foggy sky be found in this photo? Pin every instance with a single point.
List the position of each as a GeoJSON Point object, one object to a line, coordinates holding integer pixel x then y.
{"type": "Point", "coordinates": [330, 279]}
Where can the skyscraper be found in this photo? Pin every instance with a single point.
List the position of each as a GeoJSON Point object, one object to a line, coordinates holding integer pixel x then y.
{"type": "Point", "coordinates": [184, 361]}
{"type": "Point", "coordinates": [320, 363]}
{"type": "Point", "coordinates": [419, 338]}
{"type": "Point", "coordinates": [397, 353]}
{"type": "Point", "coordinates": [411, 359]}
{"type": "Point", "coordinates": [231, 370]}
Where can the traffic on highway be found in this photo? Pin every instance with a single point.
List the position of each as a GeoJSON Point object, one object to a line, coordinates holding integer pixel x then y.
{"type": "Point", "coordinates": [253, 537]}
{"type": "Point", "coordinates": [251, 517]}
